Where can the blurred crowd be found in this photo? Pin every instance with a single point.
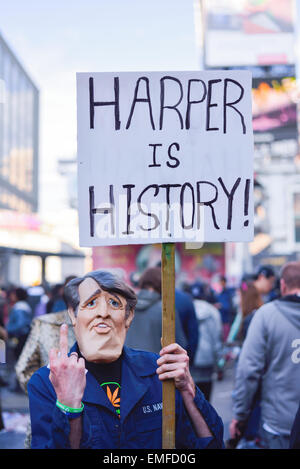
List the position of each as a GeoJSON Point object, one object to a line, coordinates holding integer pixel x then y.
{"type": "Point", "coordinates": [212, 324]}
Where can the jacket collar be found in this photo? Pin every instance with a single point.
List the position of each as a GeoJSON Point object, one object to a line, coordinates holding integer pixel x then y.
{"type": "Point", "coordinates": [135, 367]}
{"type": "Point", "coordinates": [293, 298]}
{"type": "Point", "coordinates": [144, 363]}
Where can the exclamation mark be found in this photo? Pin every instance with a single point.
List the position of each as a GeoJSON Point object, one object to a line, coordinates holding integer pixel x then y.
{"type": "Point", "coordinates": [246, 201]}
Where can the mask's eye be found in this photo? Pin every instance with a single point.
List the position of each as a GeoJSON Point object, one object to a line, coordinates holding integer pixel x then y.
{"type": "Point", "coordinates": [91, 304]}
{"type": "Point", "coordinates": [114, 303]}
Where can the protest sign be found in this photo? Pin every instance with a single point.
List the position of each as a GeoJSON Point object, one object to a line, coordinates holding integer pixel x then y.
{"type": "Point", "coordinates": [164, 157]}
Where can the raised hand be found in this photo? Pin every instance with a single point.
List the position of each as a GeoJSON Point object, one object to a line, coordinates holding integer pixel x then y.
{"type": "Point", "coordinates": [174, 364]}
{"type": "Point", "coordinates": [67, 374]}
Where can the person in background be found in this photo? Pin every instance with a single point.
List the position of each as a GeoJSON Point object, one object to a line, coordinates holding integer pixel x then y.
{"type": "Point", "coordinates": [56, 302]}
{"type": "Point", "coordinates": [209, 347]}
{"type": "Point", "coordinates": [295, 433]}
{"type": "Point", "coordinates": [266, 362]}
{"type": "Point", "coordinates": [3, 333]}
{"type": "Point", "coordinates": [17, 327]}
{"type": "Point", "coordinates": [209, 293]}
{"type": "Point", "coordinates": [226, 306]}
{"type": "Point", "coordinates": [20, 317]}
{"type": "Point", "coordinates": [251, 300]}
{"type": "Point", "coordinates": [185, 307]}
{"type": "Point", "coordinates": [251, 293]}
{"type": "Point", "coordinates": [3, 337]}
{"type": "Point", "coordinates": [35, 292]}
{"type": "Point", "coordinates": [254, 294]}
{"type": "Point", "coordinates": [275, 292]}
{"type": "Point", "coordinates": [44, 335]}
{"type": "Point", "coordinates": [1, 418]}
{"type": "Point", "coordinates": [41, 307]}
{"type": "Point", "coordinates": [3, 305]}
{"type": "Point", "coordinates": [264, 281]}
{"type": "Point", "coordinates": [146, 331]}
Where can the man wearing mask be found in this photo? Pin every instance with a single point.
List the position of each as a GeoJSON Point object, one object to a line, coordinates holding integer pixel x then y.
{"type": "Point", "coordinates": [106, 395]}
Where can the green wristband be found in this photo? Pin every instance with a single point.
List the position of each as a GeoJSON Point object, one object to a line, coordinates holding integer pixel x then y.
{"type": "Point", "coordinates": [67, 409]}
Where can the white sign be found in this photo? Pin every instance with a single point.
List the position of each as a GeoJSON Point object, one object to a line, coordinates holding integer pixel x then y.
{"type": "Point", "coordinates": [164, 157]}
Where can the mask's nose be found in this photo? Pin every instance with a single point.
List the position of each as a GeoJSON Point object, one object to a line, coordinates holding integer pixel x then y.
{"type": "Point", "coordinates": [102, 308]}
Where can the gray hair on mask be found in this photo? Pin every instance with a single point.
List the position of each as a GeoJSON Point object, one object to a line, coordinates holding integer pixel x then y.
{"type": "Point", "coordinates": [107, 282]}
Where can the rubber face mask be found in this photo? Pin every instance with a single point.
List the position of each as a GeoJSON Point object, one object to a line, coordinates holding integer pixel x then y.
{"type": "Point", "coordinates": [100, 325]}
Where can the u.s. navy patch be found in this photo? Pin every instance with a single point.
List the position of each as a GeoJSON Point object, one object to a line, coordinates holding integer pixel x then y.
{"type": "Point", "coordinates": [150, 408]}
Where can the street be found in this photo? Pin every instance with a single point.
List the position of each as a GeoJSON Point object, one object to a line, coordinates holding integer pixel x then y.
{"type": "Point", "coordinates": [15, 414]}
{"type": "Point", "coordinates": [221, 399]}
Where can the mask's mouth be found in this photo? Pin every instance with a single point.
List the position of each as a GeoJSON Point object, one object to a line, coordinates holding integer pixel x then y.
{"type": "Point", "coordinates": [101, 328]}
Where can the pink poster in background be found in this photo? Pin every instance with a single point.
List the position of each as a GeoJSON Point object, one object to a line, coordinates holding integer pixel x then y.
{"type": "Point", "coordinates": [131, 261]}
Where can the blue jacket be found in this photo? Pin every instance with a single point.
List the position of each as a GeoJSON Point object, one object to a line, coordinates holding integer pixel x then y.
{"type": "Point", "coordinates": [140, 424]}
{"type": "Point", "coordinates": [227, 310]}
{"type": "Point", "coordinates": [19, 321]}
{"type": "Point", "coordinates": [185, 307]}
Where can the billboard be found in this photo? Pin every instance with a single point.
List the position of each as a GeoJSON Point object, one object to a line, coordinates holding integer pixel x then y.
{"type": "Point", "coordinates": [274, 117]}
{"type": "Point", "coordinates": [130, 261]}
{"type": "Point", "coordinates": [248, 32]}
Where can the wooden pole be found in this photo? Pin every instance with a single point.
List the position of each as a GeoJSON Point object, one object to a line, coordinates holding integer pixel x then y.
{"type": "Point", "coordinates": [168, 337]}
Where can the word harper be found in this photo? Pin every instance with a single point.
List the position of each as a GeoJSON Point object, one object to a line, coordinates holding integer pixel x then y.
{"type": "Point", "coordinates": [193, 103]}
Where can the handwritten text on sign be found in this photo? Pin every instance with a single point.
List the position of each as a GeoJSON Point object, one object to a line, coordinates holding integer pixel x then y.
{"type": "Point", "coordinates": [164, 157]}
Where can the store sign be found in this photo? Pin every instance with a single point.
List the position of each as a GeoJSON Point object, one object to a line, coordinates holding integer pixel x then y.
{"type": "Point", "coordinates": [248, 32]}
{"type": "Point", "coordinates": [266, 148]}
{"type": "Point", "coordinates": [19, 221]}
{"type": "Point", "coordinates": [164, 157]}
{"type": "Point", "coordinates": [274, 113]}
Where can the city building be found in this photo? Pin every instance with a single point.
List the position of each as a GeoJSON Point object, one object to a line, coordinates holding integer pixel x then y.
{"type": "Point", "coordinates": [32, 250]}
{"type": "Point", "coordinates": [19, 120]}
{"type": "Point", "coordinates": [260, 37]}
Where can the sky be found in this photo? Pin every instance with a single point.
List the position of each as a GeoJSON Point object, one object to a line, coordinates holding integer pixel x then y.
{"type": "Point", "coordinates": [54, 39]}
